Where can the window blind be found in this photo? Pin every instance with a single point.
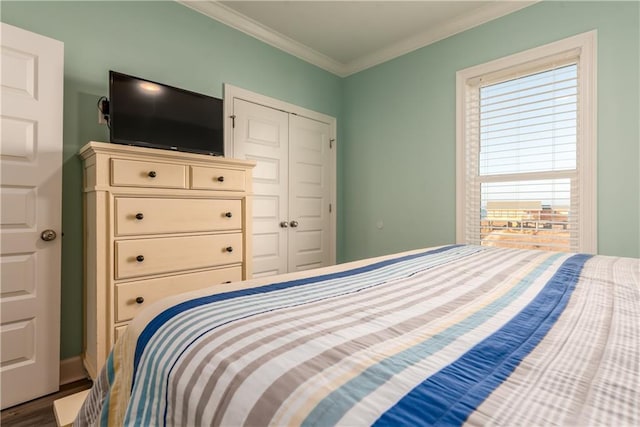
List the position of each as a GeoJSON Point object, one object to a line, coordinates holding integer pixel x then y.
{"type": "Point", "coordinates": [522, 158]}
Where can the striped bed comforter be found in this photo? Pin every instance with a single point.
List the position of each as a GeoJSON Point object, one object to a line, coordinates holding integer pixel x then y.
{"type": "Point", "coordinates": [446, 336]}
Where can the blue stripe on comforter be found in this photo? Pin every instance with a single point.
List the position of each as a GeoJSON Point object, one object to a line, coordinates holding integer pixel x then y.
{"type": "Point", "coordinates": [451, 395]}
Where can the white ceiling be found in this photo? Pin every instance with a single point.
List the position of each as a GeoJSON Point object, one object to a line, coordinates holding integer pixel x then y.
{"type": "Point", "coordinates": [345, 37]}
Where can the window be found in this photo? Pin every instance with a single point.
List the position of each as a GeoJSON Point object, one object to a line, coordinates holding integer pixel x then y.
{"type": "Point", "coordinates": [526, 149]}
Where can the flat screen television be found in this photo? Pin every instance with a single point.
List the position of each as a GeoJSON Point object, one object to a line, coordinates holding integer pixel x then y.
{"type": "Point", "coordinates": [150, 114]}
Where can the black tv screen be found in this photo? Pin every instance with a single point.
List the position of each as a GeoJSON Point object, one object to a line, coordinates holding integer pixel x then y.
{"type": "Point", "coordinates": [146, 113]}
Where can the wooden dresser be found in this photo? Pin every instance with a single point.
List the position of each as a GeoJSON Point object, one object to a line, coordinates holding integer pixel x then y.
{"type": "Point", "coordinates": [157, 223]}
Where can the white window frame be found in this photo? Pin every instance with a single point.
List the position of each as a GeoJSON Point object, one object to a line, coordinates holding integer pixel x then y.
{"type": "Point", "coordinates": [585, 44]}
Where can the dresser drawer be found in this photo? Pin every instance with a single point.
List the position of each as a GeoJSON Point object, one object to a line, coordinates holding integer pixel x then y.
{"type": "Point", "coordinates": [132, 173]}
{"type": "Point", "coordinates": [156, 216]}
{"type": "Point", "coordinates": [154, 289]}
{"type": "Point", "coordinates": [142, 257]}
{"type": "Point", "coordinates": [204, 178]}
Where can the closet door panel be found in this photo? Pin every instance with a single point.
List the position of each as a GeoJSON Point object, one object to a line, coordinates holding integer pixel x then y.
{"type": "Point", "coordinates": [310, 178]}
{"type": "Point", "coordinates": [261, 134]}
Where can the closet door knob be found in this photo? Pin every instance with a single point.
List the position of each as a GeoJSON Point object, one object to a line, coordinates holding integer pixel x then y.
{"type": "Point", "coordinates": [48, 235]}
{"type": "Point", "coordinates": [228, 249]}
{"type": "Point", "coordinates": [284, 224]}
{"type": "Point", "coordinates": [139, 215]}
{"type": "Point", "coordinates": [140, 258]}
{"type": "Point", "coordinates": [293, 224]}
{"type": "Point", "coordinates": [221, 179]}
{"type": "Point", "coordinates": [139, 300]}
{"type": "Point", "coordinates": [152, 174]}
{"type": "Point", "coordinates": [228, 214]}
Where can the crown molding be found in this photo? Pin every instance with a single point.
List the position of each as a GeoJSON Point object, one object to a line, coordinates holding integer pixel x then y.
{"type": "Point", "coordinates": [240, 22]}
{"type": "Point", "coordinates": [465, 22]}
{"type": "Point", "coordinates": [233, 19]}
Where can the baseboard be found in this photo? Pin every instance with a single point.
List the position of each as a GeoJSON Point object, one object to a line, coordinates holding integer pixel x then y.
{"type": "Point", "coordinates": [71, 370]}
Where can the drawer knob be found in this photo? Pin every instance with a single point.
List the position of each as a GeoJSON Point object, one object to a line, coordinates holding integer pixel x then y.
{"type": "Point", "coordinates": [228, 214]}
{"type": "Point", "coordinates": [139, 215]}
{"type": "Point", "coordinates": [152, 174]}
{"type": "Point", "coordinates": [139, 300]}
{"type": "Point", "coordinates": [228, 281]}
{"type": "Point", "coordinates": [228, 249]}
{"type": "Point", "coordinates": [140, 258]}
{"type": "Point", "coordinates": [221, 179]}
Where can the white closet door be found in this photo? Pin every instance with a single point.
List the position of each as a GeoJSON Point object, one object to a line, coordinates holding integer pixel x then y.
{"type": "Point", "coordinates": [310, 178]}
{"type": "Point", "coordinates": [261, 134]}
{"type": "Point", "coordinates": [30, 200]}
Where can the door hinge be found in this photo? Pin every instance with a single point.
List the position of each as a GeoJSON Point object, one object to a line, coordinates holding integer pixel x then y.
{"type": "Point", "coordinates": [331, 141]}
{"type": "Point", "coordinates": [330, 207]}
{"type": "Point", "coordinates": [233, 121]}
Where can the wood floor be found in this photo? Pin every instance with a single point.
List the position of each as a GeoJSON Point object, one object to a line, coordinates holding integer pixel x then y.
{"type": "Point", "coordinates": [39, 412]}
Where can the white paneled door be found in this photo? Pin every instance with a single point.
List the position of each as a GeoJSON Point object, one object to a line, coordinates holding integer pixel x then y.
{"type": "Point", "coordinates": [30, 212]}
{"type": "Point", "coordinates": [261, 134]}
{"type": "Point", "coordinates": [310, 204]}
{"type": "Point", "coordinates": [293, 185]}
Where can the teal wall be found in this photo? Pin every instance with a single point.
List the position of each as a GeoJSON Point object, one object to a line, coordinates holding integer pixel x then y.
{"type": "Point", "coordinates": [398, 122]}
{"type": "Point", "coordinates": [162, 41]}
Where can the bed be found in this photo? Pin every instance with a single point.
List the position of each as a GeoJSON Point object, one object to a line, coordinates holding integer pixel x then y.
{"type": "Point", "coordinates": [450, 335]}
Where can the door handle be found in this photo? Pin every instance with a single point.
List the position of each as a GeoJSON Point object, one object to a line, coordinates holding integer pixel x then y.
{"type": "Point", "coordinates": [48, 235]}
{"type": "Point", "coordinates": [293, 224]}
{"type": "Point", "coordinates": [284, 224]}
